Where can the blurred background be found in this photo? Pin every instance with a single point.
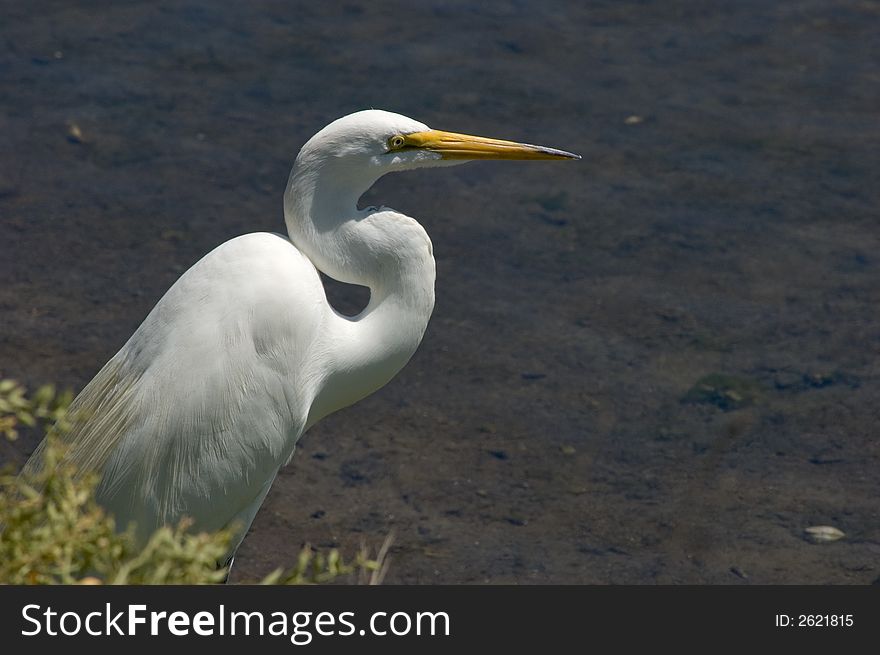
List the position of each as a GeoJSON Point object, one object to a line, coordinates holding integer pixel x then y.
{"type": "Point", "coordinates": [656, 365]}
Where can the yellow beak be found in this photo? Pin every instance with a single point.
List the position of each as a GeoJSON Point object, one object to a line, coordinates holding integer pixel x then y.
{"type": "Point", "coordinates": [464, 146]}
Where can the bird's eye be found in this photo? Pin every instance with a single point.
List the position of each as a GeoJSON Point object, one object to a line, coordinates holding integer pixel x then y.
{"type": "Point", "coordinates": [396, 142]}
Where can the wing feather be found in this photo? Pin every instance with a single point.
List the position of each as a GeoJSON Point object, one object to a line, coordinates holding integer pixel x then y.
{"type": "Point", "coordinates": [196, 413]}
{"type": "Point", "coordinates": [99, 416]}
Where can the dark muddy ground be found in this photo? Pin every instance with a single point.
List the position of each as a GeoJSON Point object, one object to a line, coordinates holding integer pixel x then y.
{"type": "Point", "coordinates": [657, 365]}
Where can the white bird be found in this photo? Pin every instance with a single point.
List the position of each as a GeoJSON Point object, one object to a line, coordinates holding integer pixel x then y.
{"type": "Point", "coordinates": [197, 412]}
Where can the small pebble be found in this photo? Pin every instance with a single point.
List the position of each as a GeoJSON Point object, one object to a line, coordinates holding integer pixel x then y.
{"type": "Point", "coordinates": [74, 134]}
{"type": "Point", "coordinates": [823, 534]}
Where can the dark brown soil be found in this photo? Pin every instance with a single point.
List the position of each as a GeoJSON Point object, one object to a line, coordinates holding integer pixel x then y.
{"type": "Point", "coordinates": [656, 365]}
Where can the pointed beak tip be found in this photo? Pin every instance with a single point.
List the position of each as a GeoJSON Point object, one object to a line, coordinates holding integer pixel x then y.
{"type": "Point", "coordinates": [552, 153]}
{"type": "Point", "coordinates": [563, 154]}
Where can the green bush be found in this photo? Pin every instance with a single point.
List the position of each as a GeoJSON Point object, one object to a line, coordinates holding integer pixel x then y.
{"type": "Point", "coordinates": [52, 531]}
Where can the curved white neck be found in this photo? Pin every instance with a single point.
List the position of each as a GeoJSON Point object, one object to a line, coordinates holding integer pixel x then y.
{"type": "Point", "coordinates": [383, 250]}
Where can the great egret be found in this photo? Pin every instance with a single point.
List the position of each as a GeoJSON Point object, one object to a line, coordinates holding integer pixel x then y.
{"type": "Point", "coordinates": [206, 401]}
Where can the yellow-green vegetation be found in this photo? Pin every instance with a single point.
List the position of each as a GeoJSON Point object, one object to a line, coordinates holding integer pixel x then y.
{"type": "Point", "coordinates": [45, 407]}
{"type": "Point", "coordinates": [52, 531]}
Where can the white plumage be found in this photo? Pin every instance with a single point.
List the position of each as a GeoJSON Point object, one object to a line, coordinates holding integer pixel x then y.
{"type": "Point", "coordinates": [206, 401]}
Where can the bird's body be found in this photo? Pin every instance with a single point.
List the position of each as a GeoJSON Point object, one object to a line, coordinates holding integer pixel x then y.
{"type": "Point", "coordinates": [206, 401]}
{"type": "Point", "coordinates": [207, 410]}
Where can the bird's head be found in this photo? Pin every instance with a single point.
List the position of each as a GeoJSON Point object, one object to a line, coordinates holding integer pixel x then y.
{"type": "Point", "coordinates": [337, 165]}
{"type": "Point", "coordinates": [384, 141]}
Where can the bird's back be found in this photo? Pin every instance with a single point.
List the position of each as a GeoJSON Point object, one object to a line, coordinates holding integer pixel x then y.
{"type": "Point", "coordinates": [198, 410]}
